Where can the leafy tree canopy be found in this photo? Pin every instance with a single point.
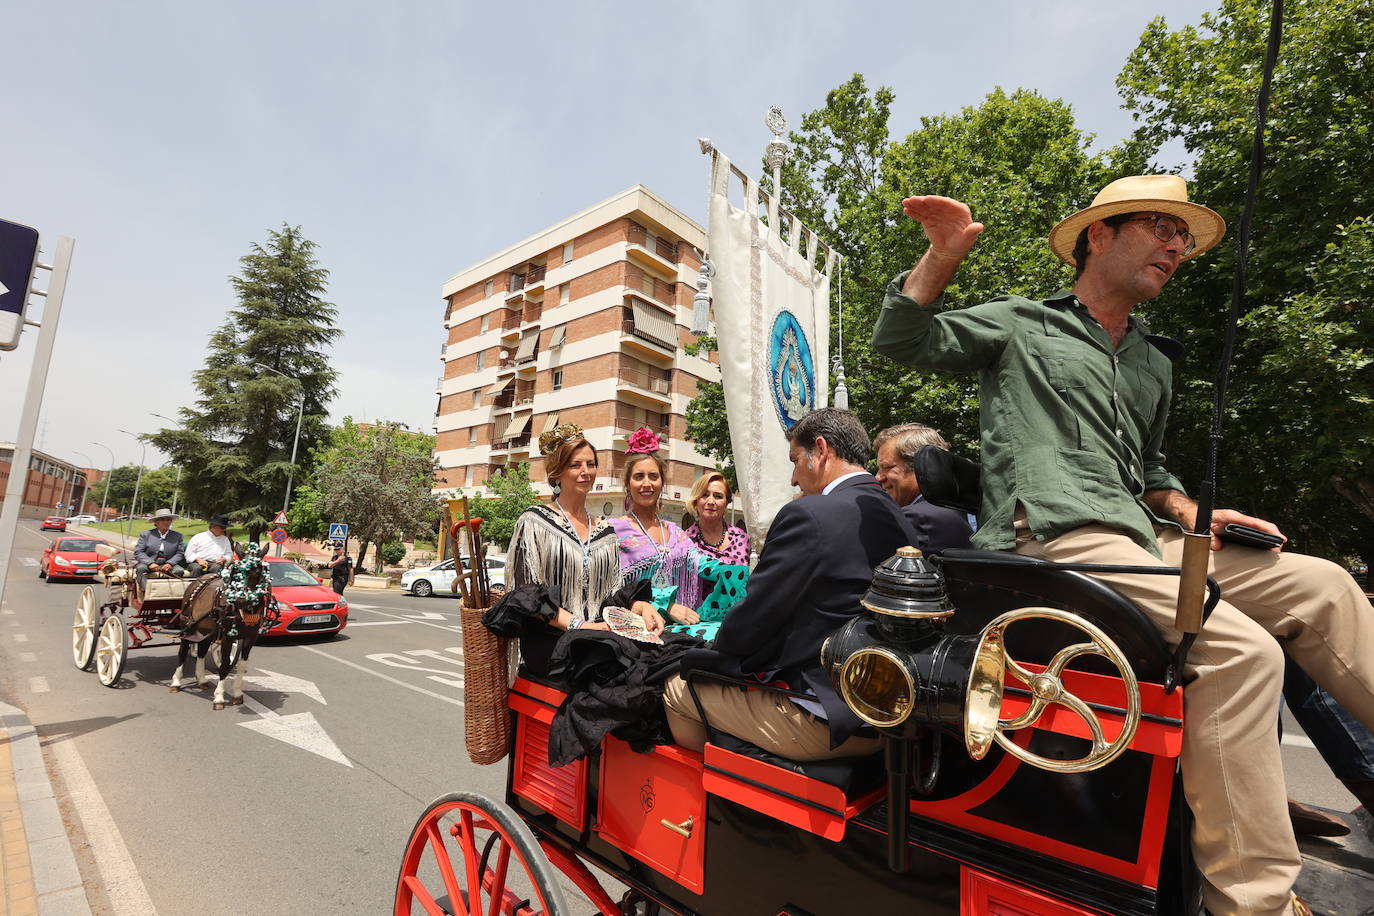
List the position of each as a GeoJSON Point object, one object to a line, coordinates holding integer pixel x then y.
{"type": "Point", "coordinates": [235, 442]}
{"type": "Point", "coordinates": [514, 495]}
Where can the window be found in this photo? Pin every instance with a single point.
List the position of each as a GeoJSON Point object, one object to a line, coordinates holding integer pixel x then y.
{"type": "Point", "coordinates": [486, 290]}
{"type": "Point", "coordinates": [558, 380]}
{"type": "Point", "coordinates": [486, 323]}
{"type": "Point", "coordinates": [481, 360]}
{"type": "Point", "coordinates": [472, 435]}
{"type": "Point", "coordinates": [564, 293]}
{"type": "Point", "coordinates": [567, 252]}
{"type": "Point", "coordinates": [476, 398]}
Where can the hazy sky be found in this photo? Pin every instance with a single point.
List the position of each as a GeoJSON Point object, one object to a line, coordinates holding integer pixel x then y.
{"type": "Point", "coordinates": [412, 139]}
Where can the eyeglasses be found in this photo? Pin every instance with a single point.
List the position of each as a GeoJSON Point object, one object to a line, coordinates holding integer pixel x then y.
{"type": "Point", "coordinates": [1165, 228]}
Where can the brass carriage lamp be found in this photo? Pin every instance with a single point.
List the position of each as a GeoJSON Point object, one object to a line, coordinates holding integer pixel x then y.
{"type": "Point", "coordinates": [898, 669]}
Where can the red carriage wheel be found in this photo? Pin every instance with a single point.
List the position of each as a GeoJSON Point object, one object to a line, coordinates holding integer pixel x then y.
{"type": "Point", "coordinates": [470, 855]}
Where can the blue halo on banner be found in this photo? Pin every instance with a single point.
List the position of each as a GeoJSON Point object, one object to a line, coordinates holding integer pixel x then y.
{"type": "Point", "coordinates": [792, 374]}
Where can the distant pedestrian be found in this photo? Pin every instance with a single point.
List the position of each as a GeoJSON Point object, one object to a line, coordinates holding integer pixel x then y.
{"type": "Point", "coordinates": [340, 565]}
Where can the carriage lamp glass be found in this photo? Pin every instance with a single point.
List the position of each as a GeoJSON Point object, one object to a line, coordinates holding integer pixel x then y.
{"type": "Point", "coordinates": [877, 687]}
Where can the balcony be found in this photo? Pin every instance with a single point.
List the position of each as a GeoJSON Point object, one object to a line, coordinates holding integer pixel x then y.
{"type": "Point", "coordinates": [510, 323]}
{"type": "Point", "coordinates": [651, 250]}
{"type": "Point", "coordinates": [626, 425]}
{"type": "Point", "coordinates": [645, 385]}
{"type": "Point", "coordinates": [439, 386]}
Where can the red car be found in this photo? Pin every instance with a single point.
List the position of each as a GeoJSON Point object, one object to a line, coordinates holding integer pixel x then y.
{"type": "Point", "coordinates": [305, 605]}
{"type": "Point", "coordinates": [55, 522]}
{"type": "Point", "coordinates": [70, 558]}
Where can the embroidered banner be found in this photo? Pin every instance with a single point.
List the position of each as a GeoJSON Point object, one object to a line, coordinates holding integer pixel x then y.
{"type": "Point", "coordinates": [772, 307]}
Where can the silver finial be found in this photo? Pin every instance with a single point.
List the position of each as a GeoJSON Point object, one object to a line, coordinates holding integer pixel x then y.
{"type": "Point", "coordinates": [777, 151]}
{"type": "Point", "coordinates": [775, 121]}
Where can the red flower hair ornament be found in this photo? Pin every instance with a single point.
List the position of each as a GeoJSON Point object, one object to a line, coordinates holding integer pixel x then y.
{"type": "Point", "coordinates": [643, 441]}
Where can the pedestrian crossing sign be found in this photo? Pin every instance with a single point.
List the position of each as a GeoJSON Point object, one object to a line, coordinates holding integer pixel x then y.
{"type": "Point", "coordinates": [281, 518]}
{"type": "Point", "coordinates": [337, 531]}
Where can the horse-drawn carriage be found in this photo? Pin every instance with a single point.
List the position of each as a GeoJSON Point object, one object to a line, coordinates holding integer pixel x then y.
{"type": "Point", "coordinates": [1060, 794]}
{"type": "Point", "coordinates": [167, 610]}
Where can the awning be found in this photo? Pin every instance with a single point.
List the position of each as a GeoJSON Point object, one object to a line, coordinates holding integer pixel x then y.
{"type": "Point", "coordinates": [654, 324]}
{"type": "Point", "coordinates": [527, 345]}
{"type": "Point", "coordinates": [517, 425]}
{"type": "Point", "coordinates": [500, 386]}
{"type": "Point", "coordinates": [550, 421]}
{"type": "Point", "coordinates": [560, 337]}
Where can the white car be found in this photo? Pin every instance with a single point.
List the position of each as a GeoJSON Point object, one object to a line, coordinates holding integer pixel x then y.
{"type": "Point", "coordinates": [81, 520]}
{"type": "Point", "coordinates": [438, 579]}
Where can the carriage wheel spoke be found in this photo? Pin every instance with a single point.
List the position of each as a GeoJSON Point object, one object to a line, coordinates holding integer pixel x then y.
{"type": "Point", "coordinates": [471, 858]}
{"type": "Point", "coordinates": [420, 893]}
{"type": "Point", "coordinates": [455, 893]}
{"type": "Point", "coordinates": [498, 882]}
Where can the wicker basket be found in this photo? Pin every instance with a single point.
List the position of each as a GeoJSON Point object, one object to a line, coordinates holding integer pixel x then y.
{"type": "Point", "coordinates": [486, 686]}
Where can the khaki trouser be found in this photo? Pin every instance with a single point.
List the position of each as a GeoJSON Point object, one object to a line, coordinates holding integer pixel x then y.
{"type": "Point", "coordinates": [765, 719]}
{"type": "Point", "coordinates": [1232, 772]}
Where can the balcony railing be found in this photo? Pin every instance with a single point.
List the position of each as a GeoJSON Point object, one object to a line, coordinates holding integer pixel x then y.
{"type": "Point", "coordinates": [646, 380]}
{"type": "Point", "coordinates": [510, 321]}
{"type": "Point", "coordinates": [661, 247]}
{"type": "Point", "coordinates": [627, 327]}
{"type": "Point", "coordinates": [630, 424]}
{"type": "Point", "coordinates": [532, 311]}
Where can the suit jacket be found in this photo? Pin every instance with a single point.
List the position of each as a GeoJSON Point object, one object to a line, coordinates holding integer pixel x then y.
{"type": "Point", "coordinates": [937, 527]}
{"type": "Point", "coordinates": [152, 542]}
{"type": "Point", "coordinates": [816, 564]}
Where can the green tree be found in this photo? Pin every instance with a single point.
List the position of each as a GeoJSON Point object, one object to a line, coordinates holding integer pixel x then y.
{"type": "Point", "coordinates": [154, 491]}
{"type": "Point", "coordinates": [1294, 424]}
{"type": "Point", "coordinates": [235, 443]}
{"type": "Point", "coordinates": [514, 495]}
{"type": "Point", "coordinates": [378, 480]}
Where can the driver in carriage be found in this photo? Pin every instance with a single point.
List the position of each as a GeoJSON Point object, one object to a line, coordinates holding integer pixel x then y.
{"type": "Point", "coordinates": [211, 550]}
{"type": "Point", "coordinates": [816, 564]}
{"type": "Point", "coordinates": [1073, 402]}
{"type": "Point", "coordinates": [160, 549]}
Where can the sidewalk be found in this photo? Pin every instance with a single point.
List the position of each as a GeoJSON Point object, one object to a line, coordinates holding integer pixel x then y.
{"type": "Point", "coordinates": [38, 870]}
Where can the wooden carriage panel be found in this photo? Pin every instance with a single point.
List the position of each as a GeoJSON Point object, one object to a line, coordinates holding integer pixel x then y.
{"type": "Point", "coordinates": [981, 894]}
{"type": "Point", "coordinates": [561, 791]}
{"type": "Point", "coordinates": [643, 797]}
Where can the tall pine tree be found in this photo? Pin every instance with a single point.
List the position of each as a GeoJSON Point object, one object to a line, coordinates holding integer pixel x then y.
{"type": "Point", "coordinates": [234, 446]}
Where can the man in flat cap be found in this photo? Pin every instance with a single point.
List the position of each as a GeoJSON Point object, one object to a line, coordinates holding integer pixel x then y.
{"type": "Point", "coordinates": [1073, 403]}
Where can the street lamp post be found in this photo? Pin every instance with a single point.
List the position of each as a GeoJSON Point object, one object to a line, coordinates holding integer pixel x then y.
{"type": "Point", "coordinates": [90, 463]}
{"type": "Point", "coordinates": [138, 481]}
{"type": "Point", "coordinates": [176, 488]}
{"type": "Point", "coordinates": [300, 413]}
{"type": "Point", "coordinates": [109, 479]}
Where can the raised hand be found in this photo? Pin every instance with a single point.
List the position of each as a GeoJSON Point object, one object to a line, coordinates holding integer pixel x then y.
{"type": "Point", "coordinates": [947, 223]}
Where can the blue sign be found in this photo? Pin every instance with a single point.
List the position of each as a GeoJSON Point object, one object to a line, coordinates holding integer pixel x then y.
{"type": "Point", "coordinates": [337, 531]}
{"type": "Point", "coordinates": [18, 257]}
{"type": "Point", "coordinates": [278, 535]}
{"type": "Point", "coordinates": [792, 372]}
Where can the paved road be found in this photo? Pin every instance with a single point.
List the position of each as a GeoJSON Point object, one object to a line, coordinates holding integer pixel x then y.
{"type": "Point", "coordinates": [217, 815]}
{"type": "Point", "coordinates": [301, 799]}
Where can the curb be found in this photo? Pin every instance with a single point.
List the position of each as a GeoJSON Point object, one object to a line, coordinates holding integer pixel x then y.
{"type": "Point", "coordinates": [57, 880]}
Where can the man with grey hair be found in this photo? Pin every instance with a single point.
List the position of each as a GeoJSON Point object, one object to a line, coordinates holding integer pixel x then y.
{"type": "Point", "coordinates": [937, 528]}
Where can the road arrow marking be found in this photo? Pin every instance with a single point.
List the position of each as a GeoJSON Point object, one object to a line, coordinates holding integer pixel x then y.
{"type": "Point", "coordinates": [424, 615]}
{"type": "Point", "coordinates": [299, 729]}
{"type": "Point", "coordinates": [271, 680]}
{"type": "Point", "coordinates": [38, 685]}
{"type": "Point", "coordinates": [28, 561]}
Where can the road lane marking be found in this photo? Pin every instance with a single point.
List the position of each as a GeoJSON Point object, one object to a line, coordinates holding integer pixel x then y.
{"type": "Point", "coordinates": [452, 628]}
{"type": "Point", "coordinates": [20, 637]}
{"type": "Point", "coordinates": [28, 561]}
{"type": "Point", "coordinates": [38, 685]}
{"type": "Point", "coordinates": [123, 886]}
{"type": "Point", "coordinates": [28, 657]}
{"type": "Point", "coordinates": [300, 730]}
{"type": "Point", "coordinates": [386, 677]}
{"type": "Point", "coordinates": [7, 611]}
{"type": "Point", "coordinates": [441, 675]}
{"type": "Point", "coordinates": [376, 623]}
{"type": "Point", "coordinates": [1298, 741]}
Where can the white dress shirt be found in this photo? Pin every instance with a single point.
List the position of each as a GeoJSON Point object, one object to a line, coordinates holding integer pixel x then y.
{"type": "Point", "coordinates": [205, 546]}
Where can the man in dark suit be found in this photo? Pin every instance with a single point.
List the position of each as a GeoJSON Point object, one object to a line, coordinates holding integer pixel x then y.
{"type": "Point", "coordinates": [936, 527]}
{"type": "Point", "coordinates": [160, 549]}
{"type": "Point", "coordinates": [816, 564]}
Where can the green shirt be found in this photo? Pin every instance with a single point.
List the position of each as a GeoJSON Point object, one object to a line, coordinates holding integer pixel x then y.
{"type": "Point", "coordinates": [1071, 428]}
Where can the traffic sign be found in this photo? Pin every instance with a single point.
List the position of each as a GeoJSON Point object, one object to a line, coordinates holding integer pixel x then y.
{"type": "Point", "coordinates": [338, 531]}
{"type": "Point", "coordinates": [281, 518]}
{"type": "Point", "coordinates": [278, 535]}
{"type": "Point", "coordinates": [18, 257]}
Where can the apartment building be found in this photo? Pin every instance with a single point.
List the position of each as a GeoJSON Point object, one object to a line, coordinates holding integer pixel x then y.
{"type": "Point", "coordinates": [584, 323]}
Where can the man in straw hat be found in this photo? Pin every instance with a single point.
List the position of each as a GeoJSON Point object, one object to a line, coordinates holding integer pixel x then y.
{"type": "Point", "coordinates": [159, 549]}
{"type": "Point", "coordinates": [1074, 396]}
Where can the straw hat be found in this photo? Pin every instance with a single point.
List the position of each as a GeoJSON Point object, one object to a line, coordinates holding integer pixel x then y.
{"type": "Point", "coordinates": [1153, 193]}
{"type": "Point", "coordinates": [163, 513]}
